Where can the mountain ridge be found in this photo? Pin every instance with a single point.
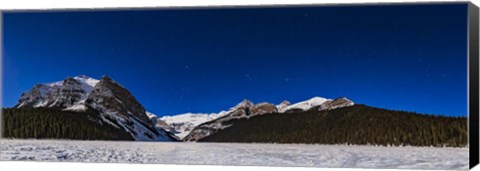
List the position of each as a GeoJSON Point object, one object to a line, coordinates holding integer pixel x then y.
{"type": "Point", "coordinates": [183, 124]}
{"type": "Point", "coordinates": [247, 109]}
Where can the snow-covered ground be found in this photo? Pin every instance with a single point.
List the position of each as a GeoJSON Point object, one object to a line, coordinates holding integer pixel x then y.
{"type": "Point", "coordinates": [236, 154]}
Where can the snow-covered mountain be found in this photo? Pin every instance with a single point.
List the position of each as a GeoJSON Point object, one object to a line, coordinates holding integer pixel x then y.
{"type": "Point", "coordinates": [315, 102]}
{"type": "Point", "coordinates": [305, 105]}
{"type": "Point", "coordinates": [116, 104]}
{"type": "Point", "coordinates": [182, 124]}
{"type": "Point", "coordinates": [71, 92]}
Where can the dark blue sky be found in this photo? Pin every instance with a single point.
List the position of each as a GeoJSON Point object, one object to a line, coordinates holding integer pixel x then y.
{"type": "Point", "coordinates": [205, 60]}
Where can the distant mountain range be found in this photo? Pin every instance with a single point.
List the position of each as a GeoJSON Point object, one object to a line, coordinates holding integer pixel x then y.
{"type": "Point", "coordinates": [67, 108]}
{"type": "Point", "coordinates": [183, 124]}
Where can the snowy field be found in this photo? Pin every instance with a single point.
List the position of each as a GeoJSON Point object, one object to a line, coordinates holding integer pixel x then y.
{"type": "Point", "coordinates": [236, 154]}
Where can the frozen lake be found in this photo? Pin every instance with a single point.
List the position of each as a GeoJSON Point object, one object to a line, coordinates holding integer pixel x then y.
{"type": "Point", "coordinates": [236, 154]}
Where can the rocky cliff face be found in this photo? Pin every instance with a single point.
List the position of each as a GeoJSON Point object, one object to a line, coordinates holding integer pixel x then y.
{"type": "Point", "coordinates": [242, 109]}
{"type": "Point", "coordinates": [337, 103]}
{"type": "Point", "coordinates": [36, 97]}
{"type": "Point", "coordinates": [263, 108]}
{"type": "Point", "coordinates": [246, 108]}
{"type": "Point", "coordinates": [109, 95]}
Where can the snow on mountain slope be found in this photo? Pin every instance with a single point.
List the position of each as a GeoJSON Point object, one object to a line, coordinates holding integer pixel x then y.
{"type": "Point", "coordinates": [66, 93]}
{"type": "Point", "coordinates": [283, 105]}
{"type": "Point", "coordinates": [305, 105]}
{"type": "Point", "coordinates": [193, 118]}
{"type": "Point", "coordinates": [244, 109]}
{"type": "Point", "coordinates": [76, 108]}
{"type": "Point", "coordinates": [87, 83]}
{"type": "Point", "coordinates": [151, 115]}
{"type": "Point", "coordinates": [182, 124]}
{"type": "Point", "coordinates": [116, 102]}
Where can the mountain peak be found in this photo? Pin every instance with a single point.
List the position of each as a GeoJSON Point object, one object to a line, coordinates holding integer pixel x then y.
{"type": "Point", "coordinates": [82, 77]}
{"type": "Point", "coordinates": [120, 101]}
{"type": "Point", "coordinates": [283, 105]}
{"type": "Point", "coordinates": [106, 78]}
{"type": "Point", "coordinates": [245, 103]}
{"type": "Point", "coordinates": [318, 99]}
{"type": "Point", "coordinates": [66, 93]}
{"type": "Point", "coordinates": [263, 108]}
{"type": "Point", "coordinates": [337, 103]}
{"type": "Point", "coordinates": [285, 102]}
{"type": "Point", "coordinates": [344, 98]}
{"type": "Point", "coordinates": [307, 104]}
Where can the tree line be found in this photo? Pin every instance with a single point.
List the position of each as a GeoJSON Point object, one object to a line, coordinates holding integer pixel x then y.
{"type": "Point", "coordinates": [358, 124]}
{"type": "Point", "coordinates": [53, 123]}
